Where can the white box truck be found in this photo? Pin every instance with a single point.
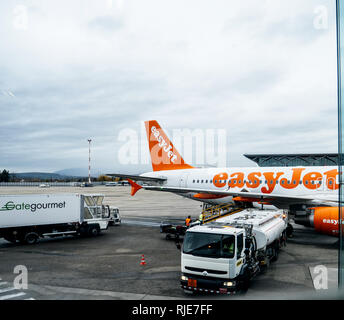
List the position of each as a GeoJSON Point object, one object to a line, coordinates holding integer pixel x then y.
{"type": "Point", "coordinates": [223, 256]}
{"type": "Point", "coordinates": [26, 218]}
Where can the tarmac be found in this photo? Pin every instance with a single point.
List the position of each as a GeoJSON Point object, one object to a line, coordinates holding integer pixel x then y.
{"type": "Point", "coordinates": [108, 267]}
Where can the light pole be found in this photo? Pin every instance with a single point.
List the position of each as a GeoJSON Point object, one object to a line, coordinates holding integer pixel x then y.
{"type": "Point", "coordinates": [89, 161]}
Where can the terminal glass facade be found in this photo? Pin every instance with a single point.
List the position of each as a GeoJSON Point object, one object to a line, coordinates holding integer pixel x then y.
{"type": "Point", "coordinates": [340, 57]}
{"type": "Point", "coordinates": [294, 160]}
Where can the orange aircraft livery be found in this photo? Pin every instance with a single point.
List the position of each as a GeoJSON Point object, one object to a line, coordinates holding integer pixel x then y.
{"type": "Point", "coordinates": [310, 194]}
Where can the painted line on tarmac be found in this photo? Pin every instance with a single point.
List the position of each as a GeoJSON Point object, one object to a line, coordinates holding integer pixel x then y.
{"type": "Point", "coordinates": [7, 289]}
{"type": "Point", "coordinates": [12, 296]}
{"type": "Point", "coordinates": [141, 223]}
{"type": "Point", "coordinates": [78, 293]}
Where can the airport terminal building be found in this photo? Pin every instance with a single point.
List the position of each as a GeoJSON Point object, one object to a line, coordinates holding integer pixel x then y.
{"type": "Point", "coordinates": [294, 160]}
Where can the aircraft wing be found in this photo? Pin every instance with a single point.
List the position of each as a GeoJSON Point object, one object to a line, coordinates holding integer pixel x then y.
{"type": "Point", "coordinates": [277, 198]}
{"type": "Point", "coordinates": [136, 177]}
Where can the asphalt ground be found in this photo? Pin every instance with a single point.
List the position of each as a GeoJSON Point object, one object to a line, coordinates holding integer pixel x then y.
{"type": "Point", "coordinates": [108, 266]}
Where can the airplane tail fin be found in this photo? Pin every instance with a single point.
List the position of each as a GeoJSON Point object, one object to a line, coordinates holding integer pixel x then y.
{"type": "Point", "coordinates": [164, 155]}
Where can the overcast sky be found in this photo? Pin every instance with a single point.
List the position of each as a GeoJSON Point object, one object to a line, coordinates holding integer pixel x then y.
{"type": "Point", "coordinates": [71, 70]}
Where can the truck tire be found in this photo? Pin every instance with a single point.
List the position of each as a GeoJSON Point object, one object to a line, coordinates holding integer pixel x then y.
{"type": "Point", "coordinates": [31, 238]}
{"type": "Point", "coordinates": [94, 231]}
{"type": "Point", "coordinates": [275, 252]}
{"type": "Point", "coordinates": [245, 282]}
{"type": "Point", "coordinates": [289, 230]}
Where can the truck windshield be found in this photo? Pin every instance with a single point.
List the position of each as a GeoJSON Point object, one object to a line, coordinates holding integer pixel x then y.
{"type": "Point", "coordinates": [209, 245]}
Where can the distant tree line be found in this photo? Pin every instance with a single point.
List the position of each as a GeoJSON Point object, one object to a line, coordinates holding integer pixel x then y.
{"type": "Point", "coordinates": [5, 176]}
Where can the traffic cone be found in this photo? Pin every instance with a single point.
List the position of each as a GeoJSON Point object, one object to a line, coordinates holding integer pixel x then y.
{"type": "Point", "coordinates": [142, 263]}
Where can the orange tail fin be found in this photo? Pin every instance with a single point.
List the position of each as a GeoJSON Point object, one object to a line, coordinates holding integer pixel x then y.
{"type": "Point", "coordinates": [164, 155]}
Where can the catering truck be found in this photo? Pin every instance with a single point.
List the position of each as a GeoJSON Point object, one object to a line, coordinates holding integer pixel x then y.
{"type": "Point", "coordinates": [26, 218]}
{"type": "Point", "coordinates": [223, 256]}
{"type": "Point", "coordinates": [95, 203]}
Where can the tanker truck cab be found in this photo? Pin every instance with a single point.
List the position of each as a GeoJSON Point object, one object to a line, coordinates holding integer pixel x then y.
{"type": "Point", "coordinates": [223, 256]}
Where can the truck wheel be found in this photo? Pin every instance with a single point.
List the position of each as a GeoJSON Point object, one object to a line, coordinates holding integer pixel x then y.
{"type": "Point", "coordinates": [168, 236]}
{"type": "Point", "coordinates": [245, 283]}
{"type": "Point", "coordinates": [31, 238]}
{"type": "Point", "coordinates": [275, 252]}
{"type": "Point", "coordinates": [289, 230]}
{"type": "Point", "coordinates": [94, 231]}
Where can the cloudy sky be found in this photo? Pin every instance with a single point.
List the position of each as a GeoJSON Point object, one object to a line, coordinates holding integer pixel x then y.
{"type": "Point", "coordinates": [263, 70]}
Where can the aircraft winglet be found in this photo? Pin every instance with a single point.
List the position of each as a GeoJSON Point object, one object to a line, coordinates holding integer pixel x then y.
{"type": "Point", "coordinates": [134, 187]}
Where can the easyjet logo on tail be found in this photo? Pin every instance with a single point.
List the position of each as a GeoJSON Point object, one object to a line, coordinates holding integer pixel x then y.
{"type": "Point", "coordinates": [163, 144]}
{"type": "Point", "coordinates": [163, 154]}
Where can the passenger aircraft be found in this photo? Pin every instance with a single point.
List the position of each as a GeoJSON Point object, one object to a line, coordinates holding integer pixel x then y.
{"type": "Point", "coordinates": [309, 193]}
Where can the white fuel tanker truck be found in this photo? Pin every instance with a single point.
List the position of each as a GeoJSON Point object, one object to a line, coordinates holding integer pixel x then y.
{"type": "Point", "coordinates": [223, 256]}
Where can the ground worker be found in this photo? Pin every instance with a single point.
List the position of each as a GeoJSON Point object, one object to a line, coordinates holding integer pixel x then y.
{"type": "Point", "coordinates": [187, 221]}
{"type": "Point", "coordinates": [201, 217]}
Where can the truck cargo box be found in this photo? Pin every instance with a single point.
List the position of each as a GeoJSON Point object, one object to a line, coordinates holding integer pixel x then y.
{"type": "Point", "coordinates": [35, 210]}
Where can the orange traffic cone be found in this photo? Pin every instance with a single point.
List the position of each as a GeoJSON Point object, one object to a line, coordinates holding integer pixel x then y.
{"type": "Point", "coordinates": [142, 263]}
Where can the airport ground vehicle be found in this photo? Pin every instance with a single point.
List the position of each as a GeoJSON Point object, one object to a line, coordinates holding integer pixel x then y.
{"type": "Point", "coordinates": [115, 217]}
{"type": "Point", "coordinates": [95, 204]}
{"type": "Point", "coordinates": [26, 218]}
{"type": "Point", "coordinates": [44, 185]}
{"type": "Point", "coordinates": [111, 184]}
{"type": "Point", "coordinates": [223, 256]}
{"type": "Point", "coordinates": [172, 230]}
